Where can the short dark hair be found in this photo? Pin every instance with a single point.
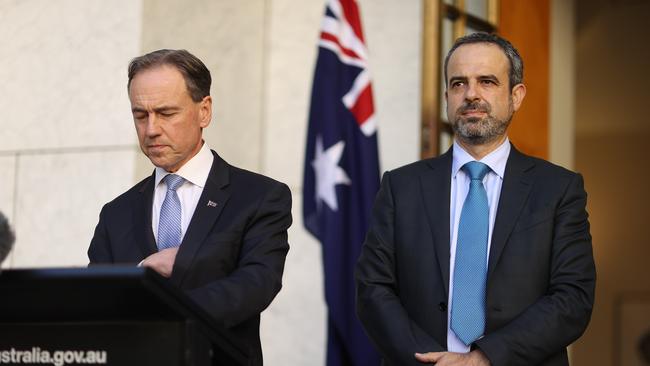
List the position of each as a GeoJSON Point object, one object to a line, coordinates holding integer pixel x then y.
{"type": "Point", "coordinates": [197, 76]}
{"type": "Point", "coordinates": [516, 73]}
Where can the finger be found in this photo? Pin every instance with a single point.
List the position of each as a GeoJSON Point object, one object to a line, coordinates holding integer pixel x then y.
{"type": "Point", "coordinates": [428, 357]}
{"type": "Point", "coordinates": [169, 251]}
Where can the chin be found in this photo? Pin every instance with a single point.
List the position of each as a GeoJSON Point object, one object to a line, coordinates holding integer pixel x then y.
{"type": "Point", "coordinates": [158, 162]}
{"type": "Point", "coordinates": [473, 139]}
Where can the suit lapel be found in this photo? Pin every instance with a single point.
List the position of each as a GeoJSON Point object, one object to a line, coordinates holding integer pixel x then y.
{"type": "Point", "coordinates": [436, 190]}
{"type": "Point", "coordinates": [514, 193]}
{"type": "Point", "coordinates": [213, 199]}
{"type": "Point", "coordinates": [142, 218]}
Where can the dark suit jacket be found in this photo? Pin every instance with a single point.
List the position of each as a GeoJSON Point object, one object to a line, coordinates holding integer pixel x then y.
{"type": "Point", "coordinates": [232, 256]}
{"type": "Point", "coordinates": [541, 274]}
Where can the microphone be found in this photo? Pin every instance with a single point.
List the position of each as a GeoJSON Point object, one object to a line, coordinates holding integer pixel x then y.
{"type": "Point", "coordinates": [6, 237]}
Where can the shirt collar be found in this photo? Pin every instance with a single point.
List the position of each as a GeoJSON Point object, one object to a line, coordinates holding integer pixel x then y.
{"type": "Point", "coordinates": [496, 160]}
{"type": "Point", "coordinates": [195, 171]}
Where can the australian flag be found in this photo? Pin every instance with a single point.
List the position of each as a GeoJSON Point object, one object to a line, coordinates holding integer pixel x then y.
{"type": "Point", "coordinates": [341, 173]}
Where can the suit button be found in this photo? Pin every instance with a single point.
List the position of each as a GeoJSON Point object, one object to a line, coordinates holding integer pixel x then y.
{"type": "Point", "coordinates": [442, 306]}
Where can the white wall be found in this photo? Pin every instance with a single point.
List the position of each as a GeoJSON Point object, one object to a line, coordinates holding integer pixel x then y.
{"type": "Point", "coordinates": [68, 146]}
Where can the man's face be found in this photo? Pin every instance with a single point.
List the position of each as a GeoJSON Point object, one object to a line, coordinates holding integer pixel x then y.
{"type": "Point", "coordinates": [168, 122]}
{"type": "Point", "coordinates": [480, 103]}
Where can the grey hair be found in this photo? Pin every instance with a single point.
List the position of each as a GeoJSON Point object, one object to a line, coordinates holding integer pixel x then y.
{"type": "Point", "coordinates": [516, 72]}
{"type": "Point", "coordinates": [196, 74]}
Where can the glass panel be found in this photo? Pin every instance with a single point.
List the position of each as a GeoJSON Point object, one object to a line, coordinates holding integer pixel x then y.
{"type": "Point", "coordinates": [447, 40]}
{"type": "Point", "coordinates": [443, 102]}
{"type": "Point", "coordinates": [446, 140]}
{"type": "Point", "coordinates": [477, 8]}
{"type": "Point", "coordinates": [426, 136]}
{"type": "Point", "coordinates": [469, 29]}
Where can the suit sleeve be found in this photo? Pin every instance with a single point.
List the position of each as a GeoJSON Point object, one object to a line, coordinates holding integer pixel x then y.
{"type": "Point", "coordinates": [562, 314]}
{"type": "Point", "coordinates": [251, 287]}
{"type": "Point", "coordinates": [99, 250]}
{"type": "Point", "coordinates": [386, 321]}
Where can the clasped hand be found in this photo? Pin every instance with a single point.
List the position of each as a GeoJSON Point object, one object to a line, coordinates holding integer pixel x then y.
{"type": "Point", "coordinates": [474, 358]}
{"type": "Point", "coordinates": [162, 261]}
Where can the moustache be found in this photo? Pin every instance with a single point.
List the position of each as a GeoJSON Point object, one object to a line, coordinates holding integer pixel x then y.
{"type": "Point", "coordinates": [474, 107]}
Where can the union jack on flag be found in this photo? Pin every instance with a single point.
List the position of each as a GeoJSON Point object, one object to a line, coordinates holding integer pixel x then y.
{"type": "Point", "coordinates": [341, 33]}
{"type": "Point", "coordinates": [341, 173]}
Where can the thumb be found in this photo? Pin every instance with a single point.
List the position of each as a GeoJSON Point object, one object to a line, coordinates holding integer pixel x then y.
{"type": "Point", "coordinates": [428, 357]}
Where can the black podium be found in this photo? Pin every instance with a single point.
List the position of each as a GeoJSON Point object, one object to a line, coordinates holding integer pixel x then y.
{"type": "Point", "coordinates": [105, 316]}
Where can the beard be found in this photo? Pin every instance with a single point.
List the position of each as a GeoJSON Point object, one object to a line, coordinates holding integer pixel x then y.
{"type": "Point", "coordinates": [479, 131]}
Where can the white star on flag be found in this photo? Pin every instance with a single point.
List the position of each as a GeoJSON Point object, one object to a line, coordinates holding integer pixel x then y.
{"type": "Point", "coordinates": [328, 172]}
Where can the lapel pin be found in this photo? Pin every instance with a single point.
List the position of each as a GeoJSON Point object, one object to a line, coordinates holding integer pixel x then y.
{"type": "Point", "coordinates": [212, 204]}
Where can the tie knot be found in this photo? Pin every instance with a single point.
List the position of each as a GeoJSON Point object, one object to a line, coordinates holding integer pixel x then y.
{"type": "Point", "coordinates": [476, 170]}
{"type": "Point", "coordinates": [173, 181]}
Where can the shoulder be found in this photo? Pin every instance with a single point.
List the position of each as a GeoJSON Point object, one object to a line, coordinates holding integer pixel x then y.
{"type": "Point", "coordinates": [411, 169]}
{"type": "Point", "coordinates": [245, 183]}
{"type": "Point", "coordinates": [540, 168]}
{"type": "Point", "coordinates": [246, 176]}
{"type": "Point", "coordinates": [256, 192]}
{"type": "Point", "coordinates": [226, 173]}
{"type": "Point", "coordinates": [546, 177]}
{"type": "Point", "coordinates": [436, 165]}
{"type": "Point", "coordinates": [124, 200]}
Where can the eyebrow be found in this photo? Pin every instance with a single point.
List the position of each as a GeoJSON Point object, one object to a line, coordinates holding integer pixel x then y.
{"type": "Point", "coordinates": [457, 78]}
{"type": "Point", "coordinates": [157, 110]}
{"type": "Point", "coordinates": [480, 77]}
{"type": "Point", "coordinates": [489, 77]}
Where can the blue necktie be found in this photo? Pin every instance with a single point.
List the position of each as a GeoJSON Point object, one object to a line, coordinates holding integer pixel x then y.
{"type": "Point", "coordinates": [169, 225]}
{"type": "Point", "coordinates": [470, 271]}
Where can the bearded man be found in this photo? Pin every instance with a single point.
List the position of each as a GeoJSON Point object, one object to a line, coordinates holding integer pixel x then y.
{"type": "Point", "coordinates": [481, 256]}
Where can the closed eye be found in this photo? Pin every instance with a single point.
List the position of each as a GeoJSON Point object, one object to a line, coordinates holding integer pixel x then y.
{"type": "Point", "coordinates": [167, 111]}
{"type": "Point", "coordinates": [140, 115]}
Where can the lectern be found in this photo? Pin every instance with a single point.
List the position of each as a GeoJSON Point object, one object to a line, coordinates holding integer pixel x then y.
{"type": "Point", "coordinates": [106, 316]}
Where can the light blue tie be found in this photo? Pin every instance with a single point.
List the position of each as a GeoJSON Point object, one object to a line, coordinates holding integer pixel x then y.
{"type": "Point", "coordinates": [169, 225]}
{"type": "Point", "coordinates": [470, 271]}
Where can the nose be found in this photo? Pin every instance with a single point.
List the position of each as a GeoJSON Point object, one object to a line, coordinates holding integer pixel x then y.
{"type": "Point", "coordinates": [472, 92]}
{"type": "Point", "coordinates": [152, 127]}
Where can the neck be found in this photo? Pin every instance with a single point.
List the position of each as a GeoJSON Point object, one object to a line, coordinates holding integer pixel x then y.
{"type": "Point", "coordinates": [479, 151]}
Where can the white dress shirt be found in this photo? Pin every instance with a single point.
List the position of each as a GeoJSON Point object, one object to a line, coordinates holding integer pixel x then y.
{"type": "Point", "coordinates": [195, 172]}
{"type": "Point", "coordinates": [492, 182]}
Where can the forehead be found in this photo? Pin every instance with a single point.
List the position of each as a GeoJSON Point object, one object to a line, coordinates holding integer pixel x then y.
{"type": "Point", "coordinates": [158, 80]}
{"type": "Point", "coordinates": [478, 59]}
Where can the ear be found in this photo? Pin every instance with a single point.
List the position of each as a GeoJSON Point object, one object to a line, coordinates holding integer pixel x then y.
{"type": "Point", "coordinates": [205, 111]}
{"type": "Point", "coordinates": [518, 94]}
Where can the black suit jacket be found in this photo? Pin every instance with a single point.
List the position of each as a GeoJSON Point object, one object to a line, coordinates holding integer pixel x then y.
{"type": "Point", "coordinates": [541, 274]}
{"type": "Point", "coordinates": [232, 256]}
